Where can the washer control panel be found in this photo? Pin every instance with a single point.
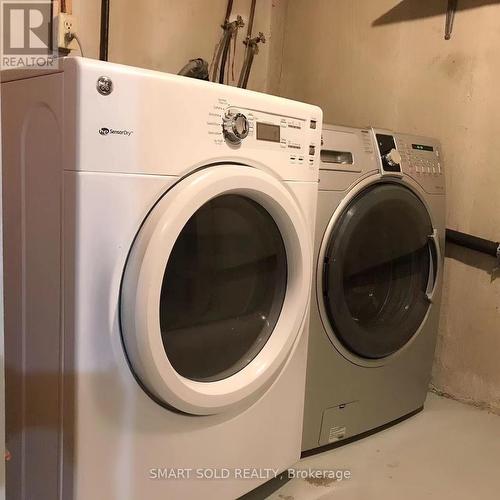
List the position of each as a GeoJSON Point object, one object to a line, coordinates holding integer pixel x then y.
{"type": "Point", "coordinates": [421, 156]}
{"type": "Point", "coordinates": [422, 160]}
{"type": "Point", "coordinates": [418, 157]}
{"type": "Point", "coordinates": [390, 156]}
{"type": "Point", "coordinates": [297, 140]}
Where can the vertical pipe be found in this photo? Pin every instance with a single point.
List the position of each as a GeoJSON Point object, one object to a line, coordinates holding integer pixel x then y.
{"type": "Point", "coordinates": [228, 11]}
{"type": "Point", "coordinates": [103, 49]}
{"type": "Point", "coordinates": [227, 40]}
{"type": "Point", "coordinates": [450, 17]}
{"type": "Point", "coordinates": [2, 352]}
{"type": "Point", "coordinates": [248, 58]}
{"type": "Point", "coordinates": [250, 20]}
{"type": "Point", "coordinates": [66, 6]}
{"type": "Point", "coordinates": [248, 66]}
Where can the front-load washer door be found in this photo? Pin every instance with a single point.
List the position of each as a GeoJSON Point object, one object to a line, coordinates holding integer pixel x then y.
{"type": "Point", "coordinates": [215, 289]}
{"type": "Point", "coordinates": [379, 269]}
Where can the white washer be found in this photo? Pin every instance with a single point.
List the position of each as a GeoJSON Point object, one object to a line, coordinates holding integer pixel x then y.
{"type": "Point", "coordinates": [179, 217]}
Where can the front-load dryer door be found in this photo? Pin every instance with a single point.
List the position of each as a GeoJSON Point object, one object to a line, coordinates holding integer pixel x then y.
{"type": "Point", "coordinates": [379, 265]}
{"type": "Point", "coordinates": [215, 289]}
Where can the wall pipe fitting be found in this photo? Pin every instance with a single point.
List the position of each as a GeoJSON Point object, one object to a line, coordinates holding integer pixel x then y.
{"type": "Point", "coordinates": [465, 240]}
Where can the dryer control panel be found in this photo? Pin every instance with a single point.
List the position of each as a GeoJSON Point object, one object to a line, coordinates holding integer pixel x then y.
{"type": "Point", "coordinates": [295, 138]}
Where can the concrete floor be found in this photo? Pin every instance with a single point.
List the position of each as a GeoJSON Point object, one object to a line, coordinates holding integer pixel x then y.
{"type": "Point", "coordinates": [449, 451]}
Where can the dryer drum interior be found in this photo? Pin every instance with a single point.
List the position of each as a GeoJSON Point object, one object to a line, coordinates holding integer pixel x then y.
{"type": "Point", "coordinates": [380, 267]}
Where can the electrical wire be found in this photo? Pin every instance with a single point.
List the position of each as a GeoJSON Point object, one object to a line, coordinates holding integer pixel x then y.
{"type": "Point", "coordinates": [73, 36]}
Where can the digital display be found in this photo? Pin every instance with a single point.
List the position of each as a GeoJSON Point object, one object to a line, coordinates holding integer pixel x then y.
{"type": "Point", "coordinates": [421, 147]}
{"type": "Point", "coordinates": [268, 132]}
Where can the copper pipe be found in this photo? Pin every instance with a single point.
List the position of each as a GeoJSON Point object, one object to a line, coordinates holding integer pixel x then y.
{"type": "Point", "coordinates": [229, 9]}
{"type": "Point", "coordinates": [104, 43]}
{"type": "Point", "coordinates": [250, 20]}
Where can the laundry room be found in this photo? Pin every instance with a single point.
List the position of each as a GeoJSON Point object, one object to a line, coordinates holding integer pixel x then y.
{"type": "Point", "coordinates": [250, 249]}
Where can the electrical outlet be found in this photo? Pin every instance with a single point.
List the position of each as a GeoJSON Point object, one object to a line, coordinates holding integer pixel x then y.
{"type": "Point", "coordinates": [66, 24]}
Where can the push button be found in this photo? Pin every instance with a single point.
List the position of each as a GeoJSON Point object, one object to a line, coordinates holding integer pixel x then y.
{"type": "Point", "coordinates": [312, 150]}
{"type": "Point", "coordinates": [313, 124]}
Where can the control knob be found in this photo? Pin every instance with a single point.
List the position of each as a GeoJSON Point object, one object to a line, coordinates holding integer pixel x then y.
{"type": "Point", "coordinates": [393, 158]}
{"type": "Point", "coordinates": [235, 127]}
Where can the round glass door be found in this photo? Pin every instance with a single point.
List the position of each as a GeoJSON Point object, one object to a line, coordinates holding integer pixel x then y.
{"type": "Point", "coordinates": [215, 290]}
{"type": "Point", "coordinates": [223, 288]}
{"type": "Point", "coordinates": [379, 266]}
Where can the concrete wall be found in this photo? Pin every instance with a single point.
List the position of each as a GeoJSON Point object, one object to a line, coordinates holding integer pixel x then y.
{"type": "Point", "coordinates": [405, 76]}
{"type": "Point", "coordinates": [164, 34]}
{"type": "Point", "coordinates": [88, 13]}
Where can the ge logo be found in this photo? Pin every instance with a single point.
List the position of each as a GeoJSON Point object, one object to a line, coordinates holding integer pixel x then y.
{"type": "Point", "coordinates": [104, 131]}
{"type": "Point", "coordinates": [104, 85]}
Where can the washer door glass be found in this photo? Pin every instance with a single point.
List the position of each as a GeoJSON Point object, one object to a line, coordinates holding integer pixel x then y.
{"type": "Point", "coordinates": [378, 268]}
{"type": "Point", "coordinates": [223, 288]}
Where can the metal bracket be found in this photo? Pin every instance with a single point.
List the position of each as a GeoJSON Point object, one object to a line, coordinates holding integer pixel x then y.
{"type": "Point", "coordinates": [253, 42]}
{"type": "Point", "coordinates": [450, 17]}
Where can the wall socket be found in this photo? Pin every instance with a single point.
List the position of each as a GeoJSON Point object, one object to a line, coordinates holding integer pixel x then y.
{"type": "Point", "coordinates": [66, 24]}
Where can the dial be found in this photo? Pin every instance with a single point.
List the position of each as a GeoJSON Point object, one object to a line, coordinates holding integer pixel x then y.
{"type": "Point", "coordinates": [235, 127]}
{"type": "Point", "coordinates": [393, 158]}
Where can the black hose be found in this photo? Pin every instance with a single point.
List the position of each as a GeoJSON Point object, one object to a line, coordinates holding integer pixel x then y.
{"type": "Point", "coordinates": [104, 42]}
{"type": "Point", "coordinates": [487, 247]}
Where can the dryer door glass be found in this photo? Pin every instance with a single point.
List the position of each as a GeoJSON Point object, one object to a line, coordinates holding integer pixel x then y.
{"type": "Point", "coordinates": [223, 288]}
{"type": "Point", "coordinates": [377, 269]}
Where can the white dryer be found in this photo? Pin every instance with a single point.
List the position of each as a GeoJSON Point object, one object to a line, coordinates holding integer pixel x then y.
{"type": "Point", "coordinates": [158, 255]}
{"type": "Point", "coordinates": [379, 252]}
